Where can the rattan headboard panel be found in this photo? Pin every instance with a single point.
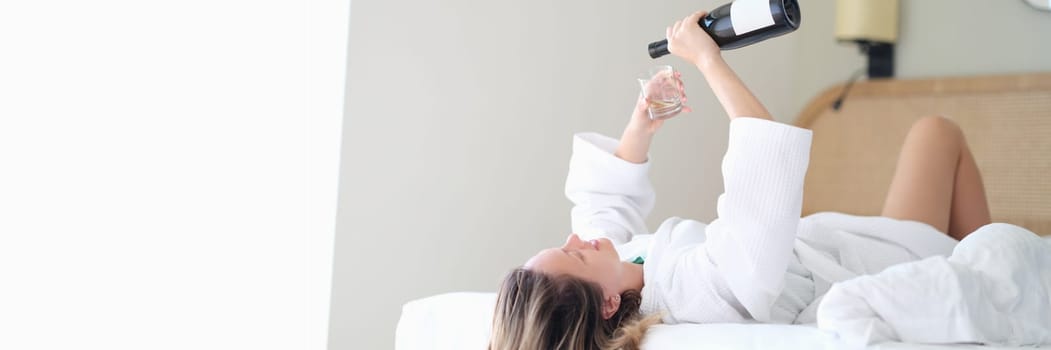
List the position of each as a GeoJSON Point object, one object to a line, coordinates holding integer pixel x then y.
{"type": "Point", "coordinates": [1006, 119]}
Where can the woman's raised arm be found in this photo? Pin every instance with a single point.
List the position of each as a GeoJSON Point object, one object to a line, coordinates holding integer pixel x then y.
{"type": "Point", "coordinates": [688, 41]}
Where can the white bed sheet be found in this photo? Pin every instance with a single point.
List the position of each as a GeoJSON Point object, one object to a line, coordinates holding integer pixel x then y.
{"type": "Point", "coordinates": [461, 321]}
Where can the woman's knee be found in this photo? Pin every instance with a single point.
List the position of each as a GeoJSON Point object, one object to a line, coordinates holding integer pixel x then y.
{"type": "Point", "coordinates": [939, 127]}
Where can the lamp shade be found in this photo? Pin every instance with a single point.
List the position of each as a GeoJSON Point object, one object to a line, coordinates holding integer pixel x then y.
{"type": "Point", "coordinates": [867, 20]}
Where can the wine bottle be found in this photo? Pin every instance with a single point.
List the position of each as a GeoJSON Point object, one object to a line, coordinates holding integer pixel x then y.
{"type": "Point", "coordinates": [744, 22]}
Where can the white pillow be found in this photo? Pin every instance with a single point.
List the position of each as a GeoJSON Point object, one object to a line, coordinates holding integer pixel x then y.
{"type": "Point", "coordinates": [459, 320]}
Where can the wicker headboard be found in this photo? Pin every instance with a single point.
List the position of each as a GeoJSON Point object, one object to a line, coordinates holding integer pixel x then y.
{"type": "Point", "coordinates": [1006, 119]}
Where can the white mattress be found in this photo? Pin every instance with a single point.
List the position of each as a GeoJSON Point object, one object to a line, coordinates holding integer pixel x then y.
{"type": "Point", "coordinates": [462, 320]}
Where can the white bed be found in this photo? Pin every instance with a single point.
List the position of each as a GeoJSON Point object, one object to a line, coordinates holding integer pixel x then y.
{"type": "Point", "coordinates": [1005, 118]}
{"type": "Point", "coordinates": [461, 321]}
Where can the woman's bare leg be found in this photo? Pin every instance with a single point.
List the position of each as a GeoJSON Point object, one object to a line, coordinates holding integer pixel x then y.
{"type": "Point", "coordinates": [937, 181]}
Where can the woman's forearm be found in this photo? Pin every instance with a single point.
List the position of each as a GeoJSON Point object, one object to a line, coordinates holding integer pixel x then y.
{"type": "Point", "coordinates": [735, 97]}
{"type": "Point", "coordinates": [634, 144]}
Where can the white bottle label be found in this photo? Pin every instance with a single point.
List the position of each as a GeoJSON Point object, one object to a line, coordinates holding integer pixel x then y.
{"type": "Point", "coordinates": [749, 15]}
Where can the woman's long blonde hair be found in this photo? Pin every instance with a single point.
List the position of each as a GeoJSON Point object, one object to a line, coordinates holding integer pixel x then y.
{"type": "Point", "coordinates": [539, 311]}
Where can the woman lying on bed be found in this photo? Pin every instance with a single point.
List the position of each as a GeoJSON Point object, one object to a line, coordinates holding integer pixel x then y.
{"type": "Point", "coordinates": [758, 261]}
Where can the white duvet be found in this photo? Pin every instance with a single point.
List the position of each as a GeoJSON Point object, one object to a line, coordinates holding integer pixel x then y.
{"type": "Point", "coordinates": [995, 288]}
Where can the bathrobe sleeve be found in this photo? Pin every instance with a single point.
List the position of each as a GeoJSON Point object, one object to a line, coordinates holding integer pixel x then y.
{"type": "Point", "coordinates": [611, 197]}
{"type": "Point", "coordinates": [751, 241]}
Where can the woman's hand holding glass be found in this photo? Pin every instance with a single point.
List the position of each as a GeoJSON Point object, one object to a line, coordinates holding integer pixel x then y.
{"type": "Point", "coordinates": [663, 96]}
{"type": "Point", "coordinates": [635, 142]}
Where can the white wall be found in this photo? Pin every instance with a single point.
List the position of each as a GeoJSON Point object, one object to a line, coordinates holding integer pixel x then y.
{"type": "Point", "coordinates": [937, 38]}
{"type": "Point", "coordinates": [946, 37]}
{"type": "Point", "coordinates": [168, 172]}
{"type": "Point", "coordinates": [460, 115]}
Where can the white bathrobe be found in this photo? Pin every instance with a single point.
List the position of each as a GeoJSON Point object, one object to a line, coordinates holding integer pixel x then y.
{"type": "Point", "coordinates": [995, 288]}
{"type": "Point", "coordinates": [758, 261]}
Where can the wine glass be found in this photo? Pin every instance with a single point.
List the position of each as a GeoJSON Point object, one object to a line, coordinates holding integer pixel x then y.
{"type": "Point", "coordinates": [662, 92]}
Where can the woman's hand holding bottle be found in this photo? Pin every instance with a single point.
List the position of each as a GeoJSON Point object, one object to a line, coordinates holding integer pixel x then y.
{"type": "Point", "coordinates": [690, 42]}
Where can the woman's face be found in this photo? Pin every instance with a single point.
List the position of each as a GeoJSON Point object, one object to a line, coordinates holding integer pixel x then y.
{"type": "Point", "coordinates": [594, 260]}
